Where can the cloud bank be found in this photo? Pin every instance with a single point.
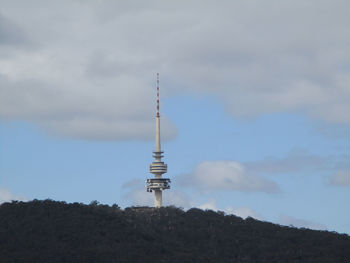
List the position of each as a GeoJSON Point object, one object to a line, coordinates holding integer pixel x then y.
{"type": "Point", "coordinates": [227, 176]}
{"type": "Point", "coordinates": [243, 212]}
{"type": "Point", "coordinates": [7, 196]}
{"type": "Point", "coordinates": [86, 69]}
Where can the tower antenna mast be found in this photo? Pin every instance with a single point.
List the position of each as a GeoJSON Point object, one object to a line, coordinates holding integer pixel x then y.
{"type": "Point", "coordinates": [158, 167]}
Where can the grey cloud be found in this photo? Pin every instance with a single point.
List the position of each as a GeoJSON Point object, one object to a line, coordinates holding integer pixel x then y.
{"type": "Point", "coordinates": [92, 116]}
{"type": "Point", "coordinates": [10, 33]}
{"type": "Point", "coordinates": [275, 64]}
{"type": "Point", "coordinates": [99, 59]}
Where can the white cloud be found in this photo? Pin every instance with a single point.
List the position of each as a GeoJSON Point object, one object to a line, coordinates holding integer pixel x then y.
{"type": "Point", "coordinates": [227, 175]}
{"type": "Point", "coordinates": [243, 212]}
{"type": "Point", "coordinates": [89, 66]}
{"type": "Point", "coordinates": [7, 196]}
{"type": "Point", "coordinates": [297, 222]}
{"type": "Point", "coordinates": [210, 205]}
{"type": "Point", "coordinates": [140, 197]}
{"type": "Point", "coordinates": [341, 178]}
{"type": "Point", "coordinates": [136, 193]}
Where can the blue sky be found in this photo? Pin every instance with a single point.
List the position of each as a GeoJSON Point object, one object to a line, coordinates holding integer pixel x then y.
{"type": "Point", "coordinates": [255, 104]}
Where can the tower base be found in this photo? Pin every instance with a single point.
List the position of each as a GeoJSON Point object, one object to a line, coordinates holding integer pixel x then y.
{"type": "Point", "coordinates": [158, 202]}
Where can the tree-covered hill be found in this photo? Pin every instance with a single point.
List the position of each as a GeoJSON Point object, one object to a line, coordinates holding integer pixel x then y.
{"type": "Point", "coordinates": [49, 231]}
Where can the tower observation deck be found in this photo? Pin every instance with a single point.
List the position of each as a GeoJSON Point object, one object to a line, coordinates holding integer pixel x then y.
{"type": "Point", "coordinates": [158, 167]}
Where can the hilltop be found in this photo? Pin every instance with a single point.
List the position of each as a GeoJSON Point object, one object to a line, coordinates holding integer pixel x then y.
{"type": "Point", "coordinates": [50, 231]}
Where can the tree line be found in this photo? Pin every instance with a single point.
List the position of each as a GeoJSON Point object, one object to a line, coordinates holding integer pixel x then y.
{"type": "Point", "coordinates": [51, 231]}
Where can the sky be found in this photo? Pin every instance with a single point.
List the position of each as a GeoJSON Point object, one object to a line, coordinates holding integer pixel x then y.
{"type": "Point", "coordinates": [255, 105]}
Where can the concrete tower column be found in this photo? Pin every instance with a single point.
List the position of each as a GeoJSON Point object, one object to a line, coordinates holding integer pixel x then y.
{"type": "Point", "coordinates": [158, 198]}
{"type": "Point", "coordinates": [158, 149]}
{"type": "Point", "coordinates": [158, 168]}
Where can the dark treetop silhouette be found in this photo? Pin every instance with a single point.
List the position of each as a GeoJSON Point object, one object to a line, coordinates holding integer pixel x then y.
{"type": "Point", "coordinates": [49, 231]}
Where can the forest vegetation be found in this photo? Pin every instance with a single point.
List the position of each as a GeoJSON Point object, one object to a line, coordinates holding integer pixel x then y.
{"type": "Point", "coordinates": [51, 231]}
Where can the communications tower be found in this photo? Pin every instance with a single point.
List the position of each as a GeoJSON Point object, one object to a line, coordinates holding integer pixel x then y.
{"type": "Point", "coordinates": [158, 168]}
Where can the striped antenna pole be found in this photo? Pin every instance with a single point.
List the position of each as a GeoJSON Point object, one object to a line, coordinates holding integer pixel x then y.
{"type": "Point", "coordinates": [157, 95]}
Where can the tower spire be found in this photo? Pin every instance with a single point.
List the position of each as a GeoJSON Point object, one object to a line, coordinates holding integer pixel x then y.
{"type": "Point", "coordinates": [158, 168]}
{"type": "Point", "coordinates": [158, 148]}
{"type": "Point", "coordinates": [157, 114]}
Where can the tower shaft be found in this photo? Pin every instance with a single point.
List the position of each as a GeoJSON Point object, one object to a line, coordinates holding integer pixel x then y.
{"type": "Point", "coordinates": [158, 202]}
{"type": "Point", "coordinates": [158, 168]}
{"type": "Point", "coordinates": [158, 147]}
